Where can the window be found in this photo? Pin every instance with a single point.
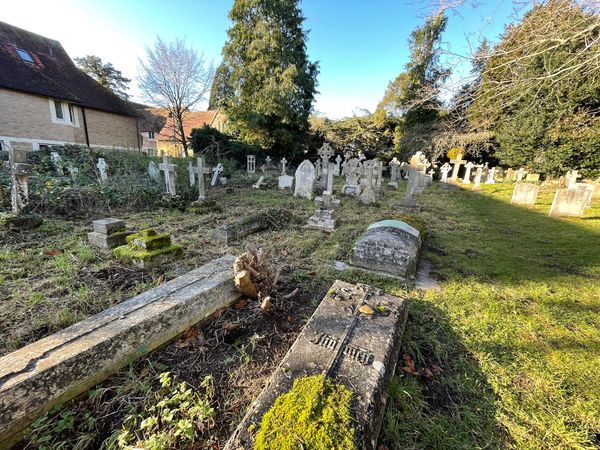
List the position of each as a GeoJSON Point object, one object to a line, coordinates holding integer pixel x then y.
{"type": "Point", "coordinates": [150, 134]}
{"type": "Point", "coordinates": [71, 114]}
{"type": "Point", "coordinates": [59, 110]}
{"type": "Point", "coordinates": [25, 55]}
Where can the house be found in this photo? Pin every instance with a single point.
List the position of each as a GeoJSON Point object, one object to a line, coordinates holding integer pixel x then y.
{"type": "Point", "coordinates": [46, 100]}
{"type": "Point", "coordinates": [168, 141]}
{"type": "Point", "coordinates": [150, 126]}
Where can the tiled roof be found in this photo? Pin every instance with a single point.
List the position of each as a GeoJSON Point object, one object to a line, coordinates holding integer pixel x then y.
{"type": "Point", "coordinates": [52, 73]}
{"type": "Point", "coordinates": [191, 120]}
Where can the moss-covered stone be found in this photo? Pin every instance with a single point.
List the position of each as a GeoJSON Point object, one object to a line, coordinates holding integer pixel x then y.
{"type": "Point", "coordinates": [148, 249]}
{"type": "Point", "coordinates": [10, 221]}
{"type": "Point", "coordinates": [314, 415]}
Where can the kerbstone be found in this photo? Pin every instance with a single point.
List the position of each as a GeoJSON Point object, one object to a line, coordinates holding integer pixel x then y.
{"type": "Point", "coordinates": [389, 246]}
{"type": "Point", "coordinates": [357, 350]}
{"type": "Point", "coordinates": [61, 366]}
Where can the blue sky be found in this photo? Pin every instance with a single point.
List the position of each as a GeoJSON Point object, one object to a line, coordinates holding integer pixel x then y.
{"type": "Point", "coordinates": [360, 44]}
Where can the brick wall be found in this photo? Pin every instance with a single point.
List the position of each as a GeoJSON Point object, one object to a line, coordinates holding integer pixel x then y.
{"type": "Point", "coordinates": [114, 130]}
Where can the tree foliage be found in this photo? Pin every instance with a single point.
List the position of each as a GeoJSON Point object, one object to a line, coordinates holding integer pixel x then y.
{"type": "Point", "coordinates": [105, 74]}
{"type": "Point", "coordinates": [221, 91]}
{"type": "Point", "coordinates": [175, 77]}
{"type": "Point", "coordinates": [540, 90]}
{"type": "Point", "coordinates": [272, 82]}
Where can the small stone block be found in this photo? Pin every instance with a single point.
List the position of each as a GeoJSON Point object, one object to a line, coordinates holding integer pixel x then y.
{"type": "Point", "coordinates": [152, 242]}
{"type": "Point", "coordinates": [322, 219]}
{"type": "Point", "coordinates": [108, 226]}
{"type": "Point", "coordinates": [108, 241]}
{"type": "Point", "coordinates": [16, 222]}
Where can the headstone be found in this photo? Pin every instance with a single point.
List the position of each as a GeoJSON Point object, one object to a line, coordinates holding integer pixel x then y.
{"type": "Point", "coordinates": [102, 168]}
{"type": "Point", "coordinates": [57, 162]}
{"type": "Point", "coordinates": [510, 175]}
{"type": "Point", "coordinates": [268, 162]}
{"type": "Point", "coordinates": [570, 202]}
{"type": "Point", "coordinates": [199, 171]}
{"type": "Point", "coordinates": [478, 176]}
{"type": "Point", "coordinates": [491, 175]}
{"type": "Point", "coordinates": [170, 175]}
{"type": "Point", "coordinates": [348, 345]}
{"type": "Point", "coordinates": [318, 168]}
{"type": "Point", "coordinates": [108, 233]}
{"type": "Point", "coordinates": [571, 178]}
{"type": "Point", "coordinates": [352, 170]}
{"type": "Point", "coordinates": [409, 202]}
{"type": "Point", "coordinates": [305, 180]}
{"type": "Point", "coordinates": [325, 153]}
{"type": "Point", "coordinates": [223, 181]}
{"type": "Point", "coordinates": [525, 194]}
{"type": "Point", "coordinates": [390, 247]}
{"type": "Point", "coordinates": [532, 177]}
{"type": "Point", "coordinates": [148, 249]}
{"type": "Point", "coordinates": [586, 187]}
{"type": "Point", "coordinates": [520, 174]}
{"type": "Point", "coordinates": [445, 169]}
{"type": "Point", "coordinates": [192, 174]}
{"type": "Point", "coordinates": [324, 216]}
{"type": "Point", "coordinates": [285, 182]}
{"type": "Point", "coordinates": [153, 171]}
{"type": "Point", "coordinates": [394, 173]}
{"type": "Point", "coordinates": [419, 161]}
{"type": "Point", "coordinates": [457, 163]}
{"type": "Point", "coordinates": [251, 163]}
{"type": "Point", "coordinates": [369, 193]}
{"type": "Point", "coordinates": [217, 170]}
{"type": "Point", "coordinates": [259, 182]}
{"type": "Point", "coordinates": [468, 167]}
{"type": "Point", "coordinates": [20, 170]}
{"type": "Point", "coordinates": [338, 166]}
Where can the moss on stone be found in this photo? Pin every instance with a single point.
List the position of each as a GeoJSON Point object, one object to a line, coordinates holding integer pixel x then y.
{"type": "Point", "coordinates": [314, 415]}
{"type": "Point", "coordinates": [416, 222]}
{"type": "Point", "coordinates": [157, 246]}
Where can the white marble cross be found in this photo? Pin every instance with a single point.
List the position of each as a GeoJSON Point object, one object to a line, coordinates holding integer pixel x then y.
{"type": "Point", "coordinates": [200, 170]}
{"type": "Point", "coordinates": [102, 166]}
{"type": "Point", "coordinates": [520, 174]}
{"type": "Point", "coordinates": [572, 179]}
{"type": "Point", "coordinates": [478, 176]}
{"type": "Point", "coordinates": [445, 169]}
{"type": "Point", "coordinates": [192, 174]}
{"type": "Point", "coordinates": [170, 175]}
{"type": "Point", "coordinates": [283, 166]}
{"type": "Point", "coordinates": [468, 167]}
{"type": "Point", "coordinates": [338, 163]}
{"type": "Point", "coordinates": [490, 177]}
{"type": "Point", "coordinates": [216, 172]}
{"type": "Point", "coordinates": [457, 163]}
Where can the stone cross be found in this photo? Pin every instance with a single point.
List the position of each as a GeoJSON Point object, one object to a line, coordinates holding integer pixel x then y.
{"type": "Point", "coordinates": [55, 158]}
{"type": "Point", "coordinates": [468, 167]}
{"type": "Point", "coordinates": [153, 171]}
{"type": "Point", "coordinates": [192, 174]}
{"type": "Point", "coordinates": [283, 166]}
{"type": "Point", "coordinates": [572, 179]}
{"type": "Point", "coordinates": [352, 170]}
{"type": "Point", "coordinates": [520, 174]}
{"type": "Point", "coordinates": [444, 170]}
{"type": "Point", "coordinates": [457, 163]}
{"type": "Point", "coordinates": [318, 168]}
{"type": "Point", "coordinates": [478, 176]}
{"type": "Point", "coordinates": [102, 166]}
{"type": "Point", "coordinates": [268, 161]}
{"type": "Point", "coordinates": [490, 177]}
{"type": "Point", "coordinates": [325, 152]}
{"type": "Point", "coordinates": [216, 172]}
{"type": "Point", "coordinates": [170, 175]}
{"type": "Point", "coordinates": [200, 170]}
{"type": "Point", "coordinates": [394, 169]}
{"type": "Point", "coordinates": [337, 168]}
{"type": "Point", "coordinates": [251, 163]}
{"type": "Point", "coordinates": [19, 174]}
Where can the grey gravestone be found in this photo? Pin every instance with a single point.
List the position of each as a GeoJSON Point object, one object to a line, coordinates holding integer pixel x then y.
{"type": "Point", "coordinates": [57, 162]}
{"type": "Point", "coordinates": [520, 174]}
{"type": "Point", "coordinates": [153, 171]}
{"type": "Point", "coordinates": [20, 170]}
{"type": "Point", "coordinates": [338, 164]}
{"type": "Point", "coordinates": [285, 181]}
{"type": "Point", "coordinates": [532, 177]}
{"type": "Point", "coordinates": [409, 202]}
{"type": "Point", "coordinates": [586, 187]}
{"type": "Point", "coordinates": [108, 233]}
{"type": "Point", "coordinates": [390, 247]}
{"type": "Point", "coordinates": [491, 175]}
{"type": "Point", "coordinates": [305, 180]}
{"type": "Point", "coordinates": [355, 349]}
{"type": "Point", "coordinates": [570, 202]}
{"type": "Point", "coordinates": [217, 170]}
{"type": "Point", "coordinates": [170, 175]}
{"type": "Point", "coordinates": [525, 194]}
{"type": "Point", "coordinates": [102, 169]}
{"type": "Point", "coordinates": [199, 171]}
{"type": "Point", "coordinates": [324, 216]}
{"type": "Point", "coordinates": [370, 192]}
{"type": "Point", "coordinates": [352, 170]}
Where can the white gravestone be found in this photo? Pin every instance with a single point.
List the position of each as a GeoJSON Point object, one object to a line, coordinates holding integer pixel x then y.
{"type": "Point", "coordinates": [170, 175]}
{"type": "Point", "coordinates": [525, 194]}
{"type": "Point", "coordinates": [478, 175]}
{"type": "Point", "coordinates": [200, 170]}
{"type": "Point", "coordinates": [491, 175]}
{"type": "Point", "coordinates": [585, 187]}
{"type": "Point", "coordinates": [285, 181]}
{"type": "Point", "coordinates": [305, 180]}
{"type": "Point", "coordinates": [457, 163]}
{"type": "Point", "coordinates": [469, 166]}
{"type": "Point", "coordinates": [217, 170]}
{"type": "Point", "coordinates": [445, 169]}
{"type": "Point", "coordinates": [520, 174]}
{"type": "Point", "coordinates": [338, 166]}
{"type": "Point", "coordinates": [102, 168]}
{"type": "Point", "coordinates": [570, 202]}
{"type": "Point", "coordinates": [192, 174]}
{"type": "Point", "coordinates": [251, 163]}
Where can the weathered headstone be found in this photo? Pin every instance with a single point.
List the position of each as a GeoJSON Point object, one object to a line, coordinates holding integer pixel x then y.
{"type": "Point", "coordinates": [199, 171]}
{"type": "Point", "coordinates": [409, 202]}
{"type": "Point", "coordinates": [285, 182]}
{"type": "Point", "coordinates": [586, 187]}
{"type": "Point", "coordinates": [445, 169]}
{"type": "Point", "coordinates": [108, 233]}
{"type": "Point", "coordinates": [153, 171]}
{"type": "Point", "coordinates": [217, 170]}
{"type": "Point", "coordinates": [571, 178]}
{"type": "Point", "coordinates": [102, 168]}
{"type": "Point", "coordinates": [148, 249]}
{"type": "Point", "coordinates": [305, 180]}
{"type": "Point", "coordinates": [525, 194]}
{"type": "Point", "coordinates": [338, 166]}
{"type": "Point", "coordinates": [369, 193]}
{"type": "Point", "coordinates": [352, 170]}
{"type": "Point", "coordinates": [20, 170]}
{"type": "Point", "coordinates": [394, 173]}
{"type": "Point", "coordinates": [325, 153]}
{"type": "Point", "coordinates": [510, 175]}
{"type": "Point", "coordinates": [324, 216]}
{"type": "Point", "coordinates": [491, 175]}
{"type": "Point", "coordinates": [457, 163]}
{"type": "Point", "coordinates": [520, 174]}
{"type": "Point", "coordinates": [478, 176]}
{"type": "Point", "coordinates": [468, 167]}
{"type": "Point", "coordinates": [192, 174]}
{"type": "Point", "coordinates": [170, 175]}
{"type": "Point", "coordinates": [251, 163]}
{"type": "Point", "coordinates": [419, 161]}
{"type": "Point", "coordinates": [354, 337]}
{"type": "Point", "coordinates": [570, 202]}
{"type": "Point", "coordinates": [390, 247]}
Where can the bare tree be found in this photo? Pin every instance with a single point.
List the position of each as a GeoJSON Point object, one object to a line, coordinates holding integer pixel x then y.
{"type": "Point", "coordinates": [175, 77]}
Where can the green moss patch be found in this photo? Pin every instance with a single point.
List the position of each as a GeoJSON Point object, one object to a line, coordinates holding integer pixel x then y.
{"type": "Point", "coordinates": [315, 414]}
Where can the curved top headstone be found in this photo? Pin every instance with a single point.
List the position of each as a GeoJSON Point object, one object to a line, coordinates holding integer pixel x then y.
{"type": "Point", "coordinates": [396, 224]}
{"type": "Point", "coordinates": [305, 179]}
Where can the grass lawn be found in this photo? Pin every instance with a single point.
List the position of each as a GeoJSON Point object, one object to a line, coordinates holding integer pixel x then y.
{"type": "Point", "coordinates": [505, 354]}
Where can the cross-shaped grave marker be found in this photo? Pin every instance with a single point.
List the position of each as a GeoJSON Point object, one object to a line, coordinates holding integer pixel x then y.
{"type": "Point", "coordinates": [216, 172]}
{"type": "Point", "coordinates": [102, 167]}
{"type": "Point", "coordinates": [170, 175]}
{"type": "Point", "coordinates": [445, 169]}
{"type": "Point", "coordinates": [457, 163]}
{"type": "Point", "coordinates": [283, 166]}
{"type": "Point", "coordinates": [469, 166]}
{"type": "Point", "coordinates": [200, 170]}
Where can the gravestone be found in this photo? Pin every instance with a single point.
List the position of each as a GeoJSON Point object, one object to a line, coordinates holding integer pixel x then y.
{"type": "Point", "coordinates": [491, 175]}
{"type": "Point", "coordinates": [338, 166]}
{"type": "Point", "coordinates": [520, 174]}
{"type": "Point", "coordinates": [148, 249]}
{"type": "Point", "coordinates": [217, 170]}
{"type": "Point", "coordinates": [325, 153]}
{"type": "Point", "coordinates": [170, 175]}
{"type": "Point", "coordinates": [20, 170]}
{"type": "Point", "coordinates": [394, 173]}
{"type": "Point", "coordinates": [409, 202]}
{"type": "Point", "coordinates": [251, 163]}
{"type": "Point", "coordinates": [305, 180]}
{"type": "Point", "coordinates": [153, 171]}
{"type": "Point", "coordinates": [108, 233]}
{"type": "Point", "coordinates": [369, 193]}
{"type": "Point", "coordinates": [199, 171]}
{"type": "Point", "coordinates": [324, 216]}
{"type": "Point", "coordinates": [532, 177]}
{"type": "Point", "coordinates": [419, 161]}
{"type": "Point", "coordinates": [259, 182]}
{"type": "Point", "coordinates": [444, 170]}
{"type": "Point", "coordinates": [571, 178]}
{"type": "Point", "coordinates": [352, 170]}
{"type": "Point", "coordinates": [345, 343]}
{"type": "Point", "coordinates": [478, 176]}
{"type": "Point", "coordinates": [586, 187]}
{"type": "Point", "coordinates": [102, 168]}
{"type": "Point", "coordinates": [510, 175]}
{"type": "Point", "coordinates": [570, 202]}
{"type": "Point", "coordinates": [468, 167]}
{"type": "Point", "coordinates": [457, 163]}
{"type": "Point", "coordinates": [285, 181]}
{"type": "Point", "coordinates": [390, 247]}
{"type": "Point", "coordinates": [57, 162]}
{"type": "Point", "coordinates": [192, 174]}
{"type": "Point", "coordinates": [525, 194]}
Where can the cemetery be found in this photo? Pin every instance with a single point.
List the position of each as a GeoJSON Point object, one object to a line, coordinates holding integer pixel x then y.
{"type": "Point", "coordinates": [84, 323]}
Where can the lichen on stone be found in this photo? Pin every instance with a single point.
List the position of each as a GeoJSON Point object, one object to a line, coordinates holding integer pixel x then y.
{"type": "Point", "coordinates": [314, 415]}
{"type": "Point", "coordinates": [146, 246]}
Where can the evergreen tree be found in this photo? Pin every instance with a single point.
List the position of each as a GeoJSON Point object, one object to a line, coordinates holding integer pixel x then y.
{"type": "Point", "coordinates": [414, 95]}
{"type": "Point", "coordinates": [221, 91]}
{"type": "Point", "coordinates": [272, 81]}
{"type": "Point", "coordinates": [105, 74]}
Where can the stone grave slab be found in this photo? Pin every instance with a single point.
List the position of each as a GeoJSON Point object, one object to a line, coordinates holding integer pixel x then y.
{"type": "Point", "coordinates": [59, 367]}
{"type": "Point", "coordinates": [108, 233]}
{"type": "Point", "coordinates": [353, 348]}
{"type": "Point", "coordinates": [148, 249]}
{"type": "Point", "coordinates": [390, 247]}
{"type": "Point", "coordinates": [525, 194]}
{"type": "Point", "coordinates": [570, 202]}
{"type": "Point", "coordinates": [286, 182]}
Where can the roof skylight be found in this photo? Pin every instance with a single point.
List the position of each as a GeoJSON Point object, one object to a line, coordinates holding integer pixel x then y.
{"type": "Point", "coordinates": [25, 55]}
